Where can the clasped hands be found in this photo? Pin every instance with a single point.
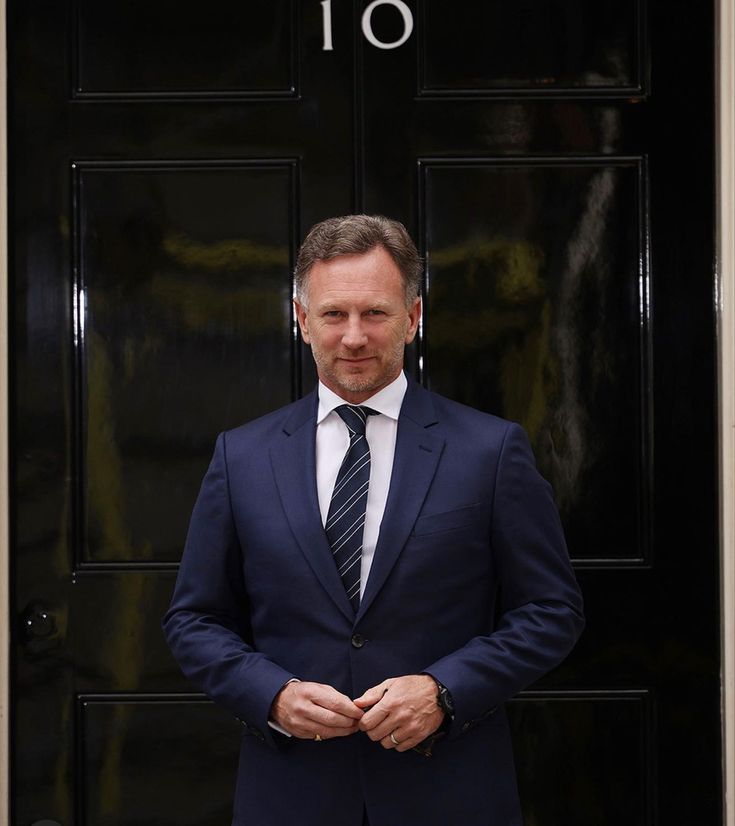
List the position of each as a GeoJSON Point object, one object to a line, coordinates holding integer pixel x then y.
{"type": "Point", "coordinates": [404, 707]}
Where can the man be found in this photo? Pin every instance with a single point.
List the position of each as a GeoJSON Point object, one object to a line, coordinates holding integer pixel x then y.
{"type": "Point", "coordinates": [371, 572]}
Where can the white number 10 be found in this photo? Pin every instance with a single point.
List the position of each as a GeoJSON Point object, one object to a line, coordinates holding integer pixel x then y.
{"type": "Point", "coordinates": [367, 26]}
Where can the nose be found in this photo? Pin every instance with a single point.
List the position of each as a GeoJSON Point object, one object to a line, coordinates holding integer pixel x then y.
{"type": "Point", "coordinates": [354, 336]}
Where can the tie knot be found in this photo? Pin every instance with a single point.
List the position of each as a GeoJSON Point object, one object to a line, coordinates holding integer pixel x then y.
{"type": "Point", "coordinates": [355, 417]}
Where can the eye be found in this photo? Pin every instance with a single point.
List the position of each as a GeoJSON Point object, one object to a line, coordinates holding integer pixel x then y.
{"type": "Point", "coordinates": [375, 311]}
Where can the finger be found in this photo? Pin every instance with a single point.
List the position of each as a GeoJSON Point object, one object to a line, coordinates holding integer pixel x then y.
{"type": "Point", "coordinates": [344, 707]}
{"type": "Point", "coordinates": [375, 717]}
{"type": "Point", "coordinates": [409, 735]}
{"type": "Point", "coordinates": [376, 713]}
{"type": "Point", "coordinates": [372, 695]}
{"type": "Point", "coordinates": [334, 701]}
{"type": "Point", "coordinates": [407, 743]}
{"type": "Point", "coordinates": [400, 741]}
{"type": "Point", "coordinates": [329, 733]}
{"type": "Point", "coordinates": [397, 740]}
{"type": "Point", "coordinates": [383, 730]}
{"type": "Point", "coordinates": [331, 719]}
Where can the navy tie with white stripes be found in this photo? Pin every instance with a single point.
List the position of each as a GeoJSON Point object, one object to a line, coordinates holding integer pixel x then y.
{"type": "Point", "coordinates": [346, 517]}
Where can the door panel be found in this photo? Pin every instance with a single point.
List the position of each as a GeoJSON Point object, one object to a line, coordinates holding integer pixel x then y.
{"type": "Point", "coordinates": [554, 161]}
{"type": "Point", "coordinates": [586, 756]}
{"type": "Point", "coordinates": [538, 307]}
{"type": "Point", "coordinates": [141, 49]}
{"type": "Point", "coordinates": [118, 757]}
{"type": "Point", "coordinates": [183, 271]}
{"type": "Point", "coordinates": [531, 47]}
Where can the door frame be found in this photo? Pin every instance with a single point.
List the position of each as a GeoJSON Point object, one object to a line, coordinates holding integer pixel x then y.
{"type": "Point", "coordinates": [725, 307]}
{"type": "Point", "coordinates": [4, 444]}
{"type": "Point", "coordinates": [725, 310]}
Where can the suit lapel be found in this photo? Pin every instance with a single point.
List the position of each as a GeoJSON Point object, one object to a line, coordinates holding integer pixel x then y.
{"type": "Point", "coordinates": [416, 458]}
{"type": "Point", "coordinates": [294, 467]}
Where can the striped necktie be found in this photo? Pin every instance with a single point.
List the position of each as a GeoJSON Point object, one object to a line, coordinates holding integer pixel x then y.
{"type": "Point", "coordinates": [346, 517]}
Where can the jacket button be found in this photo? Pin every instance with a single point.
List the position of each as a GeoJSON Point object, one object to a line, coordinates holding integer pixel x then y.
{"type": "Point", "coordinates": [358, 641]}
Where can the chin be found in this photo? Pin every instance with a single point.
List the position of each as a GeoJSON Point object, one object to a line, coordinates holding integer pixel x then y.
{"type": "Point", "coordinates": [358, 385]}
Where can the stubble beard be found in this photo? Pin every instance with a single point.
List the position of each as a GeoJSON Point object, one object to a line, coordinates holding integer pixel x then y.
{"type": "Point", "coordinates": [388, 369]}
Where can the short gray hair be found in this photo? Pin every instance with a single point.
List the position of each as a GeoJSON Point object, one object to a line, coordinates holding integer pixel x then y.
{"type": "Point", "coordinates": [354, 235]}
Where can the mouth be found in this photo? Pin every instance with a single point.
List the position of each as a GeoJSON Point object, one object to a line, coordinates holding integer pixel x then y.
{"type": "Point", "coordinates": [355, 360]}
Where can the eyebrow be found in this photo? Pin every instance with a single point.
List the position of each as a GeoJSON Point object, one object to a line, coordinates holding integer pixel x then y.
{"type": "Point", "coordinates": [327, 306]}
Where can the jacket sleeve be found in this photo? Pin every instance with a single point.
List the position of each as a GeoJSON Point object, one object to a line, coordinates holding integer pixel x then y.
{"type": "Point", "coordinates": [539, 615]}
{"type": "Point", "coordinates": [207, 625]}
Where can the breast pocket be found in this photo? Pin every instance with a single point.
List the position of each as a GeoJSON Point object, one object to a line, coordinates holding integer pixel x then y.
{"type": "Point", "coordinates": [457, 519]}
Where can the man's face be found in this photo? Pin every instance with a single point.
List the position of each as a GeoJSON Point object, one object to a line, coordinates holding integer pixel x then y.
{"type": "Point", "coordinates": [357, 322]}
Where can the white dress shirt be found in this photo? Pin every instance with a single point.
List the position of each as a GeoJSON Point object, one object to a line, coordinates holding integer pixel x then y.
{"type": "Point", "coordinates": [332, 441]}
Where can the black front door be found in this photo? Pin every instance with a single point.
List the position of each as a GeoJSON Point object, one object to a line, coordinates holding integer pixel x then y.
{"type": "Point", "coordinates": [554, 161]}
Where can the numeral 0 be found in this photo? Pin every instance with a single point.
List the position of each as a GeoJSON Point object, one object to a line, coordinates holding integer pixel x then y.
{"type": "Point", "coordinates": [367, 26]}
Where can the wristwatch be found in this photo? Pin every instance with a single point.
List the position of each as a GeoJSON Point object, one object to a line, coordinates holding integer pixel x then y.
{"type": "Point", "coordinates": [444, 700]}
{"type": "Point", "coordinates": [446, 704]}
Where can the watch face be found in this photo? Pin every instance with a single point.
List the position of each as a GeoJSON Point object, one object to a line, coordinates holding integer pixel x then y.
{"type": "Point", "coordinates": [445, 700]}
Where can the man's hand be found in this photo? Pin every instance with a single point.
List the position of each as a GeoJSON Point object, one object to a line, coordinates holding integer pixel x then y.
{"type": "Point", "coordinates": [405, 707]}
{"type": "Point", "coordinates": [309, 709]}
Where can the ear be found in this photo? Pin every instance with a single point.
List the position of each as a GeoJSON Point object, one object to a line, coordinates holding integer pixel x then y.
{"type": "Point", "coordinates": [301, 317]}
{"type": "Point", "coordinates": [414, 316]}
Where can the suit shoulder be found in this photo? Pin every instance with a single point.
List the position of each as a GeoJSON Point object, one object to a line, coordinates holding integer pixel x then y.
{"type": "Point", "coordinates": [476, 435]}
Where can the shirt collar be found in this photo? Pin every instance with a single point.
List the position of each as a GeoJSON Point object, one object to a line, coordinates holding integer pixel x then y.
{"type": "Point", "coordinates": [387, 401]}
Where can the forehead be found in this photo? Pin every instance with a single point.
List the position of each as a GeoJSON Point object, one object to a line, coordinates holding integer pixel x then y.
{"type": "Point", "coordinates": [372, 274]}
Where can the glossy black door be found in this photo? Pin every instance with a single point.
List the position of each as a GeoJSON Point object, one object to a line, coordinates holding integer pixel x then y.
{"type": "Point", "coordinates": [555, 162]}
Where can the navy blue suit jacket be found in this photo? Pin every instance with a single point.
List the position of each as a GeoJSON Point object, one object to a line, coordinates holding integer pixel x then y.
{"type": "Point", "coordinates": [470, 582]}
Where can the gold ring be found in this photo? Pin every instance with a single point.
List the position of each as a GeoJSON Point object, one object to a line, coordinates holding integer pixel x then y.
{"type": "Point", "coordinates": [318, 738]}
{"type": "Point", "coordinates": [393, 739]}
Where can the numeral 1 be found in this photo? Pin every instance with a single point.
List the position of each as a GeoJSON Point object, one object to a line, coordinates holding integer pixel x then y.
{"type": "Point", "coordinates": [327, 25]}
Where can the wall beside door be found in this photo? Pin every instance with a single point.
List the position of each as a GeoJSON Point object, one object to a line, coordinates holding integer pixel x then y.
{"type": "Point", "coordinates": [555, 163]}
{"type": "Point", "coordinates": [4, 447]}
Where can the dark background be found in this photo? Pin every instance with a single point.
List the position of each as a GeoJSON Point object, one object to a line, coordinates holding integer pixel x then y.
{"type": "Point", "coordinates": [554, 160]}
